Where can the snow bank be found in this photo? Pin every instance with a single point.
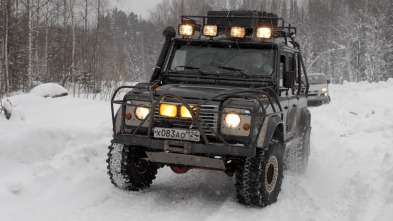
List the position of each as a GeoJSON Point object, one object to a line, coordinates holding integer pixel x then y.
{"type": "Point", "coordinates": [6, 108]}
{"type": "Point", "coordinates": [53, 167]}
{"type": "Point", "coordinates": [49, 90]}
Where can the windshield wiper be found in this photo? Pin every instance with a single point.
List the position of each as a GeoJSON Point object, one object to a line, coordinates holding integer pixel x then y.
{"type": "Point", "coordinates": [235, 69]}
{"type": "Point", "coordinates": [191, 68]}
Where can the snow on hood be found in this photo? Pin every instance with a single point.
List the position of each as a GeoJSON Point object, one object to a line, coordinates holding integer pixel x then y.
{"type": "Point", "coordinates": [49, 90]}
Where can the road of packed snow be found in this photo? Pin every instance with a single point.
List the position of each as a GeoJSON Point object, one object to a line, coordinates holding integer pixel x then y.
{"type": "Point", "coordinates": [53, 152]}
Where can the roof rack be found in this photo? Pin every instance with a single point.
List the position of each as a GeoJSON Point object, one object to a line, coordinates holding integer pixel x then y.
{"type": "Point", "coordinates": [250, 20]}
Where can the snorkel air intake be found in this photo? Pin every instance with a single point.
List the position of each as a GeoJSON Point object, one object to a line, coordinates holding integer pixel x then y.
{"type": "Point", "coordinates": [169, 33]}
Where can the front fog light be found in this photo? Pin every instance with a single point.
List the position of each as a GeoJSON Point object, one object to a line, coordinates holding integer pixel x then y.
{"type": "Point", "coordinates": [168, 110]}
{"type": "Point", "coordinates": [232, 120]}
{"type": "Point", "coordinates": [141, 112]}
{"type": "Point", "coordinates": [185, 113]}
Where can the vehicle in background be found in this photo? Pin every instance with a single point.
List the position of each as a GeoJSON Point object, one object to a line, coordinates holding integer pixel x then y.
{"type": "Point", "coordinates": [318, 92]}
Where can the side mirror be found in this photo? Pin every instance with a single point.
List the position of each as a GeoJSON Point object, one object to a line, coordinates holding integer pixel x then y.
{"type": "Point", "coordinates": [328, 81]}
{"type": "Point", "coordinates": [289, 79]}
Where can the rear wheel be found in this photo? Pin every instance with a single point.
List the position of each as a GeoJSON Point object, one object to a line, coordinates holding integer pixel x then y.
{"type": "Point", "coordinates": [127, 169]}
{"type": "Point", "coordinates": [259, 178]}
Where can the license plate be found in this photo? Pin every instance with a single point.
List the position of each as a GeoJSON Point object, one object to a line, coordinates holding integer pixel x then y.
{"type": "Point", "coordinates": [176, 134]}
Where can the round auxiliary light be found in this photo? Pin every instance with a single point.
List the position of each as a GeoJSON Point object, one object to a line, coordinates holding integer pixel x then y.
{"type": "Point", "coordinates": [232, 120]}
{"type": "Point", "coordinates": [141, 112]}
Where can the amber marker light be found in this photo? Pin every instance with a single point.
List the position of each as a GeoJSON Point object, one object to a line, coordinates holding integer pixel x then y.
{"type": "Point", "coordinates": [238, 32]}
{"type": "Point", "coordinates": [128, 116]}
{"type": "Point", "coordinates": [210, 30]}
{"type": "Point", "coordinates": [246, 126]}
{"type": "Point", "coordinates": [186, 29]}
{"type": "Point", "coordinates": [264, 32]}
{"type": "Point", "coordinates": [168, 110]}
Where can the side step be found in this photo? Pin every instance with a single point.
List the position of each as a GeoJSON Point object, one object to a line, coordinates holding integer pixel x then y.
{"type": "Point", "coordinates": [173, 158]}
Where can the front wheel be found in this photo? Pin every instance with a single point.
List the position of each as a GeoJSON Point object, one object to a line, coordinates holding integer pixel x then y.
{"type": "Point", "coordinates": [127, 169]}
{"type": "Point", "coordinates": [259, 178]}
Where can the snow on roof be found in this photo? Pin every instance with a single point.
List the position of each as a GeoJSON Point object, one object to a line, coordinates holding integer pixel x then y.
{"type": "Point", "coordinates": [49, 90]}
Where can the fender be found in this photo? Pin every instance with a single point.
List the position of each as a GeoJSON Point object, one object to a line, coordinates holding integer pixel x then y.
{"type": "Point", "coordinates": [118, 118]}
{"type": "Point", "coordinates": [269, 126]}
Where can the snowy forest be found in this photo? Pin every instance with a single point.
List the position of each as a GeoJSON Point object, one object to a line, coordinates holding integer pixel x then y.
{"type": "Point", "coordinates": [86, 46]}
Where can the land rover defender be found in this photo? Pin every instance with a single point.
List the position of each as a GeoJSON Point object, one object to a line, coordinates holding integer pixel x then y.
{"type": "Point", "coordinates": [228, 93]}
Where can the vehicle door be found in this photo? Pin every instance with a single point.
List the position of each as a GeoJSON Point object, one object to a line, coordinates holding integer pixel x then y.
{"type": "Point", "coordinates": [293, 101]}
{"type": "Point", "coordinates": [284, 92]}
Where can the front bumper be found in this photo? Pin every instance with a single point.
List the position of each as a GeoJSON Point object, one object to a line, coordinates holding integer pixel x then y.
{"type": "Point", "coordinates": [184, 147]}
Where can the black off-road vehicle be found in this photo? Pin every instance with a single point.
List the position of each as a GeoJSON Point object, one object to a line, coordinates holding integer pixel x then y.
{"type": "Point", "coordinates": [229, 93]}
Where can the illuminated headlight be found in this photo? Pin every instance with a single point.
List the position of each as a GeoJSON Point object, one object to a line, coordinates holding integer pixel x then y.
{"type": "Point", "coordinates": [238, 32]}
{"type": "Point", "coordinates": [141, 112]}
{"type": "Point", "coordinates": [168, 110]}
{"type": "Point", "coordinates": [186, 29]}
{"type": "Point", "coordinates": [324, 89]}
{"type": "Point", "coordinates": [264, 32]}
{"type": "Point", "coordinates": [232, 120]}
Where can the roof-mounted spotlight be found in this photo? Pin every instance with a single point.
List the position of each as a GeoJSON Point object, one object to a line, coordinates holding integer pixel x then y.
{"type": "Point", "coordinates": [210, 30]}
{"type": "Point", "coordinates": [238, 32]}
{"type": "Point", "coordinates": [187, 28]}
{"type": "Point", "coordinates": [264, 32]}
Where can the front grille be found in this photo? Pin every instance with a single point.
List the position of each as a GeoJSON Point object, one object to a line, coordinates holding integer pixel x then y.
{"type": "Point", "coordinates": [208, 113]}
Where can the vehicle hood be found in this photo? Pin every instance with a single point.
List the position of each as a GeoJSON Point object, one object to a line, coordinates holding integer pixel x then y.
{"type": "Point", "coordinates": [190, 91]}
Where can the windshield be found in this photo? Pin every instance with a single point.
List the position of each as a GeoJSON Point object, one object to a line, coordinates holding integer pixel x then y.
{"type": "Point", "coordinates": [220, 60]}
{"type": "Point", "coordinates": [317, 79]}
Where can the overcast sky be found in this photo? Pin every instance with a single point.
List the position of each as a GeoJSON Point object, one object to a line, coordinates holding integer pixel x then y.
{"type": "Point", "coordinates": [139, 7]}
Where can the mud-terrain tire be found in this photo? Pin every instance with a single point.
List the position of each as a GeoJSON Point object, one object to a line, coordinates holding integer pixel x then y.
{"type": "Point", "coordinates": [126, 168]}
{"type": "Point", "coordinates": [296, 159]}
{"type": "Point", "coordinates": [259, 178]}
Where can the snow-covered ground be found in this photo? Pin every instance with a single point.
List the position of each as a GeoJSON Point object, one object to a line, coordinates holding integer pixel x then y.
{"type": "Point", "coordinates": [53, 151]}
